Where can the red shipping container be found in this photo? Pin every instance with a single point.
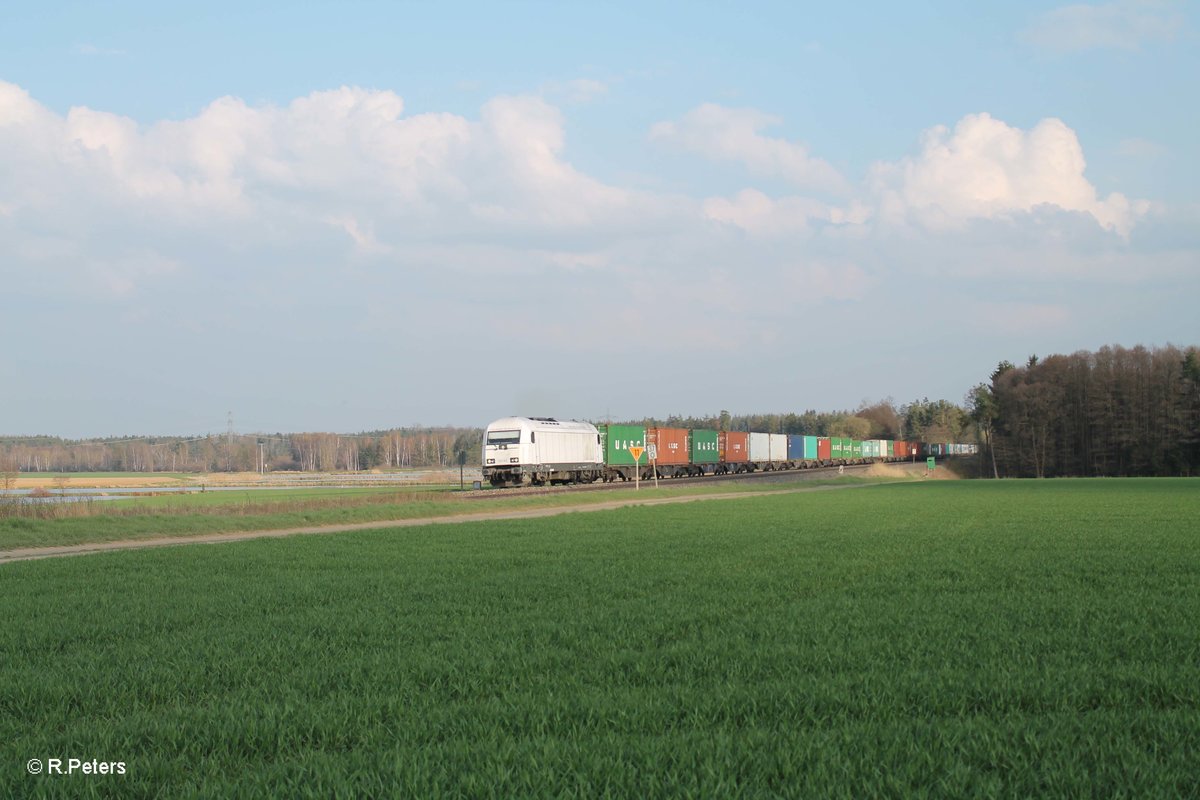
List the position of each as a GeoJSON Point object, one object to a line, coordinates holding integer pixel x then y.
{"type": "Point", "coordinates": [824, 449]}
{"type": "Point", "coordinates": [733, 447]}
{"type": "Point", "coordinates": [671, 444]}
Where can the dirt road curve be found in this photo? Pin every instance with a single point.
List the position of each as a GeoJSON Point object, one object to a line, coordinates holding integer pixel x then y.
{"type": "Point", "coordinates": [30, 553]}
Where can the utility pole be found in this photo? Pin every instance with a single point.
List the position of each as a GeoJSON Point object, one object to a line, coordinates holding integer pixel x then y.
{"type": "Point", "coordinates": [229, 443]}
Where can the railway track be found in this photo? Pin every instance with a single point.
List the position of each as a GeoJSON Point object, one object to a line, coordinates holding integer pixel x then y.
{"type": "Point", "coordinates": [770, 476]}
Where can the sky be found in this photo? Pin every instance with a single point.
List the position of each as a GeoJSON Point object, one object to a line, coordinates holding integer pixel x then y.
{"type": "Point", "coordinates": [356, 216]}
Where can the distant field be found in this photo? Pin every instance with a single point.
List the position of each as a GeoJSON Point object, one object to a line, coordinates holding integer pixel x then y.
{"type": "Point", "coordinates": [101, 480]}
{"type": "Point", "coordinates": [1014, 638]}
{"type": "Point", "coordinates": [275, 509]}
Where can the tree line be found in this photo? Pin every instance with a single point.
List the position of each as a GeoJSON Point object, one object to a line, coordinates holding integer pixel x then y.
{"type": "Point", "coordinates": [1115, 412]}
{"type": "Point", "coordinates": [1118, 412]}
{"type": "Point", "coordinates": [432, 447]}
{"type": "Point", "coordinates": [397, 448]}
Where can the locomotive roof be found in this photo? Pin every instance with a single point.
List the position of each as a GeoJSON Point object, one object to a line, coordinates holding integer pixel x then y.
{"type": "Point", "coordinates": [541, 423]}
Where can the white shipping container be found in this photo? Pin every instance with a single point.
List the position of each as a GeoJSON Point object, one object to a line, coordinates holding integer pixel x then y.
{"type": "Point", "coordinates": [760, 448]}
{"type": "Point", "coordinates": [779, 447]}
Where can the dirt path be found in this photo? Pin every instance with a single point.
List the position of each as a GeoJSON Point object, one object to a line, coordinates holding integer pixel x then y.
{"type": "Point", "coordinates": [31, 553]}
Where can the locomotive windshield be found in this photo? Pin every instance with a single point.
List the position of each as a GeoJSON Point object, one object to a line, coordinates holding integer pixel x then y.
{"type": "Point", "coordinates": [504, 437]}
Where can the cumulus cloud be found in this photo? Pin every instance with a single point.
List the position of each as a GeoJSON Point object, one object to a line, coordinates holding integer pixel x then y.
{"type": "Point", "coordinates": [347, 161]}
{"type": "Point", "coordinates": [1124, 25]}
{"type": "Point", "coordinates": [733, 134]}
{"type": "Point", "coordinates": [987, 169]}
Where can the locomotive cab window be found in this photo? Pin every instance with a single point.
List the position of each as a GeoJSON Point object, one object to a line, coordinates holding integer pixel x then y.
{"type": "Point", "coordinates": [504, 437]}
{"type": "Point", "coordinates": [533, 437]}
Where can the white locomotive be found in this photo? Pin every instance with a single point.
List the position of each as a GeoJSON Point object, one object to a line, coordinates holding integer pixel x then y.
{"type": "Point", "coordinates": [541, 450]}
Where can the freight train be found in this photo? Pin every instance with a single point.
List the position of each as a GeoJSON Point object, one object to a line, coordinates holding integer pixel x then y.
{"type": "Point", "coordinates": [542, 450]}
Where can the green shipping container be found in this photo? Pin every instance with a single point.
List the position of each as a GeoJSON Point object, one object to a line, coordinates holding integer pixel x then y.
{"type": "Point", "coordinates": [703, 447]}
{"type": "Point", "coordinates": [810, 448]}
{"type": "Point", "coordinates": [856, 449]}
{"type": "Point", "coordinates": [616, 441]}
{"type": "Point", "coordinates": [837, 447]}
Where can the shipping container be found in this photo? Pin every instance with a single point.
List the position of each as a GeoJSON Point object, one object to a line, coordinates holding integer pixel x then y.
{"type": "Point", "coordinates": [733, 447]}
{"type": "Point", "coordinates": [617, 439]}
{"type": "Point", "coordinates": [760, 448]}
{"type": "Point", "coordinates": [856, 449]}
{"type": "Point", "coordinates": [704, 447]}
{"type": "Point", "coordinates": [824, 448]}
{"type": "Point", "coordinates": [811, 448]}
{"type": "Point", "coordinates": [795, 448]}
{"type": "Point", "coordinates": [666, 446]}
{"type": "Point", "coordinates": [779, 448]}
{"type": "Point", "coordinates": [839, 447]}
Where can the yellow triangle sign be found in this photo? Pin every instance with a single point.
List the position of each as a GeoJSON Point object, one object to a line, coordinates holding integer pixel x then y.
{"type": "Point", "coordinates": [636, 452]}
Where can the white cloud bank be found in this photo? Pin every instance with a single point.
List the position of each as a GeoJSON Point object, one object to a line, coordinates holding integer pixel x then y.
{"type": "Point", "coordinates": [982, 169]}
{"type": "Point", "coordinates": [344, 177]}
{"type": "Point", "coordinates": [348, 155]}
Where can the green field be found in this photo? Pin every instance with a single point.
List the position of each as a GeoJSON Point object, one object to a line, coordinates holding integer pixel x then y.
{"type": "Point", "coordinates": [274, 509]}
{"type": "Point", "coordinates": [1015, 639]}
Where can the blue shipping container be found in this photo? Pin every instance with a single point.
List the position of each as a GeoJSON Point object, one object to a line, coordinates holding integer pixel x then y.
{"type": "Point", "coordinates": [795, 448]}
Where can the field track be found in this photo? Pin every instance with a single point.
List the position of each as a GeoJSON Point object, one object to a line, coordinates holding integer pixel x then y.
{"type": "Point", "coordinates": [32, 553]}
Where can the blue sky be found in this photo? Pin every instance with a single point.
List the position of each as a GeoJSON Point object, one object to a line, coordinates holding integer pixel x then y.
{"type": "Point", "coordinates": [352, 216]}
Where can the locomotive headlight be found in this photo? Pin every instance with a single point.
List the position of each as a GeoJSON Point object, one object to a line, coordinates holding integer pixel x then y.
{"type": "Point", "coordinates": [513, 460]}
{"type": "Point", "coordinates": [491, 461]}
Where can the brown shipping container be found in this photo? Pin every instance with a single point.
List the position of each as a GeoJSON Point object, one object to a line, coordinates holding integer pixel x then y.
{"type": "Point", "coordinates": [671, 444]}
{"type": "Point", "coordinates": [824, 449]}
{"type": "Point", "coordinates": [733, 447]}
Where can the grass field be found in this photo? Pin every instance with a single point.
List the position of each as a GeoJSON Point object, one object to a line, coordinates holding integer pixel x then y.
{"type": "Point", "coordinates": [1017, 639]}
{"type": "Point", "coordinates": [274, 509]}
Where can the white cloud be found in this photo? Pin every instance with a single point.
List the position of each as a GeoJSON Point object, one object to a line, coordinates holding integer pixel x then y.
{"type": "Point", "coordinates": [347, 161]}
{"type": "Point", "coordinates": [756, 213]}
{"type": "Point", "coordinates": [987, 169]}
{"type": "Point", "coordinates": [732, 134]}
{"type": "Point", "coordinates": [339, 198]}
{"type": "Point", "coordinates": [1124, 25]}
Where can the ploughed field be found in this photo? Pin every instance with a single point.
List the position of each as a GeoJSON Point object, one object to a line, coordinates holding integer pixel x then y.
{"type": "Point", "coordinates": [942, 638]}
